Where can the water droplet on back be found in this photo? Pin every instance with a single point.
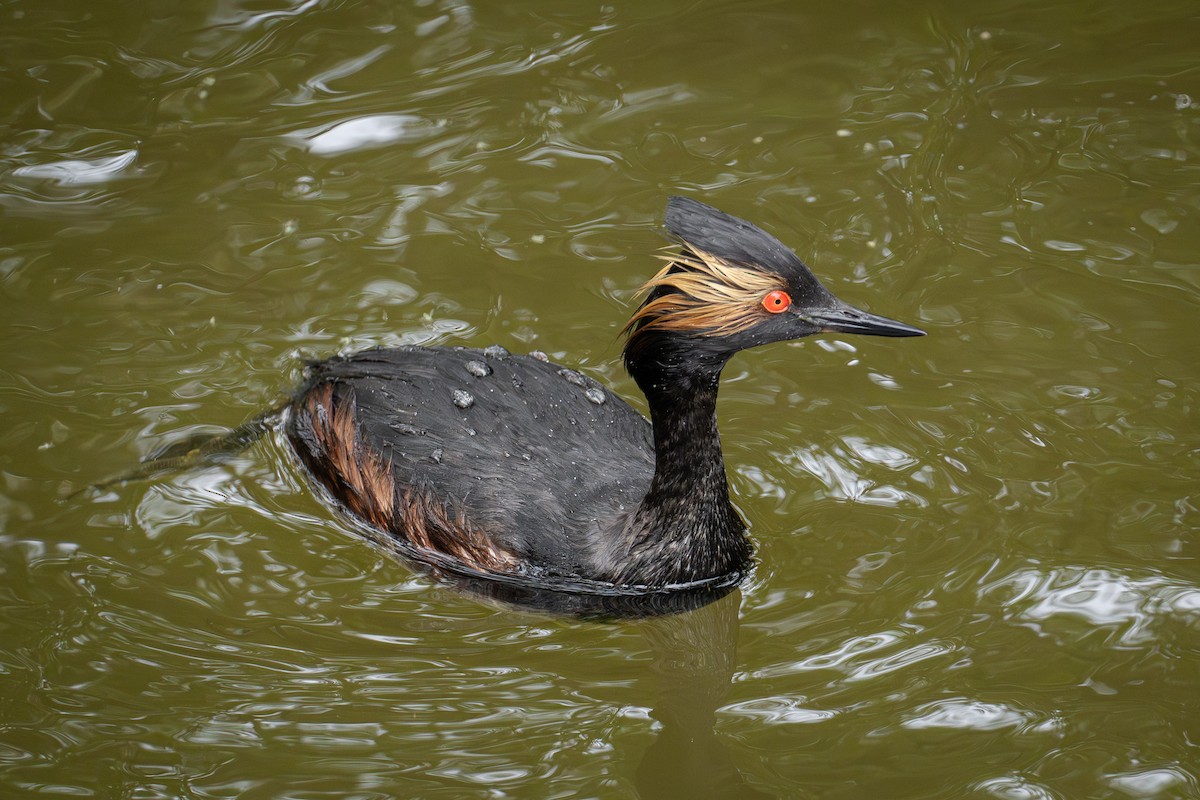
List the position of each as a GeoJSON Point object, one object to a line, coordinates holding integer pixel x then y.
{"type": "Point", "coordinates": [478, 369]}
{"type": "Point", "coordinates": [573, 377]}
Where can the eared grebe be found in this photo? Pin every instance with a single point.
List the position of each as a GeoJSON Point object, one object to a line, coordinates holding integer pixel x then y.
{"type": "Point", "coordinates": [507, 466]}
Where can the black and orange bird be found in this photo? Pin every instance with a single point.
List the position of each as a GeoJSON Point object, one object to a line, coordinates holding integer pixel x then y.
{"type": "Point", "coordinates": [491, 464]}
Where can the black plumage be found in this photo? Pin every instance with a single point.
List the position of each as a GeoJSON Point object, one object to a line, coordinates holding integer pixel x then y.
{"type": "Point", "coordinates": [522, 447]}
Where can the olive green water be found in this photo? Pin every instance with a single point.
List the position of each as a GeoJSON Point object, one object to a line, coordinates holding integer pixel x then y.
{"type": "Point", "coordinates": [978, 567]}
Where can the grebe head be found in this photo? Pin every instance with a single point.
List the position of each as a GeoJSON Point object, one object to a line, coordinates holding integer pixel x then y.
{"type": "Point", "coordinates": [732, 286]}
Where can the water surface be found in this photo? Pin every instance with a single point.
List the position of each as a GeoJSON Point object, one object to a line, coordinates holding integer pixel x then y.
{"type": "Point", "coordinates": [977, 551]}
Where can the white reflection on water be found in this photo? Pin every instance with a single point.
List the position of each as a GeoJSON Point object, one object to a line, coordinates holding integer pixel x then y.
{"type": "Point", "coordinates": [779, 709]}
{"type": "Point", "coordinates": [1154, 783]}
{"type": "Point", "coordinates": [1016, 787]}
{"type": "Point", "coordinates": [364, 132]}
{"type": "Point", "coordinates": [1133, 607]}
{"type": "Point", "coordinates": [861, 658]}
{"type": "Point", "coordinates": [841, 470]}
{"type": "Point", "coordinates": [80, 171]}
{"type": "Point", "coordinates": [961, 713]}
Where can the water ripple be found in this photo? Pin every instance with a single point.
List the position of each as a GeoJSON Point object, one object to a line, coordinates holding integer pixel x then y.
{"type": "Point", "coordinates": [966, 714]}
{"type": "Point", "coordinates": [976, 549]}
{"type": "Point", "coordinates": [1134, 609]}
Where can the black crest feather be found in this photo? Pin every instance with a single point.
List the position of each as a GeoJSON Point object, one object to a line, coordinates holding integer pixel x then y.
{"type": "Point", "coordinates": [729, 238]}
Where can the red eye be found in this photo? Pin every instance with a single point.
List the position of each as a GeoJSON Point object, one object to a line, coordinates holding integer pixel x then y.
{"type": "Point", "coordinates": [777, 301]}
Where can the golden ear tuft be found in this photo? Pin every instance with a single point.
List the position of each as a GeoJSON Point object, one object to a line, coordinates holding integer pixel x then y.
{"type": "Point", "coordinates": [708, 296]}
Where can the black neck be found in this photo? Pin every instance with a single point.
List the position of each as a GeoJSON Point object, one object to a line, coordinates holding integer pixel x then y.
{"type": "Point", "coordinates": [688, 462]}
{"type": "Point", "coordinates": [685, 528]}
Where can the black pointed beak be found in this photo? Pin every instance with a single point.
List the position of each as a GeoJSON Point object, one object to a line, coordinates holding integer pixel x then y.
{"type": "Point", "coordinates": [847, 319]}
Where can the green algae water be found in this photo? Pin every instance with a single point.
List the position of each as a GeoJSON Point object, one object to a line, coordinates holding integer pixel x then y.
{"type": "Point", "coordinates": [977, 552]}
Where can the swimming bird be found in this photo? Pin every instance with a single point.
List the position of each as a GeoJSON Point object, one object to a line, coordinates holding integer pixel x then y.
{"type": "Point", "coordinates": [498, 465]}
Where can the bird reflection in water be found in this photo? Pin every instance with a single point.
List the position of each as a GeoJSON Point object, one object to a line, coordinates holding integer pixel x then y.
{"type": "Point", "coordinates": [694, 657]}
{"type": "Point", "coordinates": [693, 642]}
